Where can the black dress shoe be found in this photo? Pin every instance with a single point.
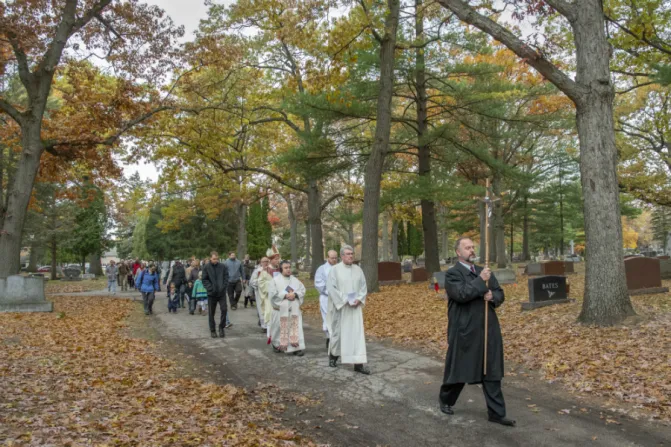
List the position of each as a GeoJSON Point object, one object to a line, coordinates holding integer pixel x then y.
{"type": "Point", "coordinates": [213, 334]}
{"type": "Point", "coordinates": [221, 333]}
{"type": "Point", "coordinates": [446, 409]}
{"type": "Point", "coordinates": [333, 361]}
{"type": "Point", "coordinates": [299, 353]}
{"type": "Point", "coordinates": [503, 421]}
{"type": "Point", "coordinates": [361, 369]}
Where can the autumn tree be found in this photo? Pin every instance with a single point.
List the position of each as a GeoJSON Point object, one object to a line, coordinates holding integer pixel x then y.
{"type": "Point", "coordinates": [135, 39]}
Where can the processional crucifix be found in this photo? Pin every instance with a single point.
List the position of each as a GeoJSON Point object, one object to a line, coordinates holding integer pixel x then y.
{"type": "Point", "coordinates": [488, 201]}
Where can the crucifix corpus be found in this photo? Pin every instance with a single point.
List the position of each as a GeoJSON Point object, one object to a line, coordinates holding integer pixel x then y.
{"type": "Point", "coordinates": [488, 212]}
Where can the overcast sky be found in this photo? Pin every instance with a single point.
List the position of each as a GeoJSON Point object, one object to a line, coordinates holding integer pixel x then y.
{"type": "Point", "coordinates": [182, 12]}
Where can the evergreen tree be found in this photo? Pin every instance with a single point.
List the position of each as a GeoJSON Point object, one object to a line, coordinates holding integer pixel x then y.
{"type": "Point", "coordinates": [661, 225]}
{"type": "Point", "coordinates": [266, 228]}
{"type": "Point", "coordinates": [415, 245]}
{"type": "Point", "coordinates": [90, 224]}
{"type": "Point", "coordinates": [402, 240]}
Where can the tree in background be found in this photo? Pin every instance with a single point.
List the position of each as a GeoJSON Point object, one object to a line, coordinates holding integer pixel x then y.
{"type": "Point", "coordinates": [415, 245]}
{"type": "Point", "coordinates": [402, 241]}
{"type": "Point", "coordinates": [661, 225]}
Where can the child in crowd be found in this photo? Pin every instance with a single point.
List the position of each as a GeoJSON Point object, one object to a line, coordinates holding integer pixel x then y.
{"type": "Point", "coordinates": [200, 294]}
{"type": "Point", "coordinates": [173, 301]}
{"type": "Point", "coordinates": [188, 295]}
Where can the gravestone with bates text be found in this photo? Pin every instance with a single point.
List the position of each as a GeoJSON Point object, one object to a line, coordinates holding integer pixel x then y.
{"type": "Point", "coordinates": [545, 291]}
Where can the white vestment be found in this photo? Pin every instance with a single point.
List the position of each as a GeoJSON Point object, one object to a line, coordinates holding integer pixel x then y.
{"type": "Point", "coordinates": [283, 308]}
{"type": "Point", "coordinates": [254, 284]}
{"type": "Point", "coordinates": [321, 282]}
{"type": "Point", "coordinates": [345, 322]}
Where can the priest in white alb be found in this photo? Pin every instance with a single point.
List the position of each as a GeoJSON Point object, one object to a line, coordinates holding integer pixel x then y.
{"type": "Point", "coordinates": [347, 295]}
{"type": "Point", "coordinates": [321, 282]}
{"type": "Point", "coordinates": [286, 294]}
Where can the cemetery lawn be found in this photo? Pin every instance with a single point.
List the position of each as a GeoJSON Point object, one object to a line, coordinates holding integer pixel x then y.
{"type": "Point", "coordinates": [629, 365]}
{"type": "Point", "coordinates": [88, 285]}
{"type": "Point", "coordinates": [73, 377]}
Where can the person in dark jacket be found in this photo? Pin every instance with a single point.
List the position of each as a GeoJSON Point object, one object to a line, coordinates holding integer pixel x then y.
{"type": "Point", "coordinates": [469, 289]}
{"type": "Point", "coordinates": [215, 280]}
{"type": "Point", "coordinates": [179, 278]}
{"type": "Point", "coordinates": [148, 284]}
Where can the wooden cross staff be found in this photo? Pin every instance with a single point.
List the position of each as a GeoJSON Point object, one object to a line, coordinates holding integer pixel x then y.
{"type": "Point", "coordinates": [488, 210]}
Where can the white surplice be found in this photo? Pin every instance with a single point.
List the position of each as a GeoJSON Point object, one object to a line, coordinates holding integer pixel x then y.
{"type": "Point", "coordinates": [344, 321]}
{"type": "Point", "coordinates": [321, 284]}
{"type": "Point", "coordinates": [277, 291]}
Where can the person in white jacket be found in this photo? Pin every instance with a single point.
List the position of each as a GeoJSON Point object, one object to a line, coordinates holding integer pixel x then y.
{"type": "Point", "coordinates": [254, 284]}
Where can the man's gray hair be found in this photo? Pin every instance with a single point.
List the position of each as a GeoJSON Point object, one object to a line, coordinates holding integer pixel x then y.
{"type": "Point", "coordinates": [345, 247]}
{"type": "Point", "coordinates": [458, 243]}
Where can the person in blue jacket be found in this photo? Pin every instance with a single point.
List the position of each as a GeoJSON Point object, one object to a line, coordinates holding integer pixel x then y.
{"type": "Point", "coordinates": [148, 283]}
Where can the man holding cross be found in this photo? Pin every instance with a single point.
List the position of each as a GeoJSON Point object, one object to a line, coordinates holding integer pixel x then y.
{"type": "Point", "coordinates": [469, 289]}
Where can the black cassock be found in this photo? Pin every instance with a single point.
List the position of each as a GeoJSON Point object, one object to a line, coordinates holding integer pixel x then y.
{"type": "Point", "coordinates": [466, 339]}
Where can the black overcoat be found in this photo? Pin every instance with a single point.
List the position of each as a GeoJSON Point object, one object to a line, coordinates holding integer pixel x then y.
{"type": "Point", "coordinates": [465, 327]}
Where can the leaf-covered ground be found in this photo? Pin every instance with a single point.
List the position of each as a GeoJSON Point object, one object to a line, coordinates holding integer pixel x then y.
{"type": "Point", "coordinates": [629, 364]}
{"type": "Point", "coordinates": [72, 377]}
{"type": "Point", "coordinates": [58, 286]}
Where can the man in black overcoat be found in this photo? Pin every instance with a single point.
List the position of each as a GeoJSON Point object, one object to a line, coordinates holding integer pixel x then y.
{"type": "Point", "coordinates": [468, 293]}
{"type": "Point", "coordinates": [215, 281]}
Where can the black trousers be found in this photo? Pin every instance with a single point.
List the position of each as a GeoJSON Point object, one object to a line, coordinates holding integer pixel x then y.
{"type": "Point", "coordinates": [212, 302]}
{"type": "Point", "coordinates": [234, 291]}
{"type": "Point", "coordinates": [496, 406]}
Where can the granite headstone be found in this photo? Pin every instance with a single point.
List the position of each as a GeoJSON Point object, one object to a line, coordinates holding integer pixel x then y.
{"type": "Point", "coordinates": [72, 273]}
{"type": "Point", "coordinates": [665, 268]}
{"type": "Point", "coordinates": [419, 275]}
{"type": "Point", "coordinates": [389, 272]}
{"type": "Point", "coordinates": [545, 291]}
{"type": "Point", "coordinates": [23, 294]}
{"type": "Point", "coordinates": [644, 276]}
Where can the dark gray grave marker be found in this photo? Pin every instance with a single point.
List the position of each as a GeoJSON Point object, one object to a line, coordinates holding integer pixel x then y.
{"type": "Point", "coordinates": [545, 291]}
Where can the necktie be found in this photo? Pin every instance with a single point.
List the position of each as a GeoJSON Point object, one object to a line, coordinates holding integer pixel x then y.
{"type": "Point", "coordinates": [473, 269]}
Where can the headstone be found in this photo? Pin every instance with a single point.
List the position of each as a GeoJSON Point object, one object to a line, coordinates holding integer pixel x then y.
{"type": "Point", "coordinates": [439, 278]}
{"type": "Point", "coordinates": [419, 275]}
{"type": "Point", "coordinates": [421, 262]}
{"type": "Point", "coordinates": [569, 267]}
{"type": "Point", "coordinates": [72, 273]}
{"type": "Point", "coordinates": [23, 294]}
{"type": "Point", "coordinates": [644, 276]}
{"type": "Point", "coordinates": [389, 273]}
{"type": "Point", "coordinates": [407, 267]}
{"type": "Point", "coordinates": [545, 291]}
{"type": "Point", "coordinates": [533, 269]}
{"type": "Point", "coordinates": [665, 268]}
{"type": "Point", "coordinates": [554, 268]}
{"type": "Point", "coordinates": [505, 276]}
{"type": "Point", "coordinates": [572, 248]}
{"type": "Point", "coordinates": [664, 257]}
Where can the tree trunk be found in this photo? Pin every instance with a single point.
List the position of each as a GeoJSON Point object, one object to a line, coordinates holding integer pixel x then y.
{"type": "Point", "coordinates": [499, 228]}
{"type": "Point", "coordinates": [19, 198]}
{"type": "Point", "coordinates": [525, 230]}
{"type": "Point", "coordinates": [242, 230]}
{"type": "Point", "coordinates": [512, 236]}
{"type": "Point", "coordinates": [308, 244]}
{"type": "Point", "coordinates": [429, 226]}
{"type": "Point", "coordinates": [385, 236]}
{"type": "Point", "coordinates": [2, 183]}
{"type": "Point", "coordinates": [34, 254]}
{"type": "Point", "coordinates": [373, 171]}
{"type": "Point", "coordinates": [394, 241]}
{"type": "Point", "coordinates": [293, 226]}
{"type": "Point", "coordinates": [606, 299]}
{"type": "Point", "coordinates": [95, 264]}
{"type": "Point", "coordinates": [315, 220]}
{"type": "Point", "coordinates": [54, 252]}
{"type": "Point", "coordinates": [561, 214]}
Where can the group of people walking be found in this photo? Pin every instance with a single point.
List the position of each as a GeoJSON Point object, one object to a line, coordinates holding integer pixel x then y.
{"type": "Point", "coordinates": [124, 275]}
{"type": "Point", "coordinates": [472, 292]}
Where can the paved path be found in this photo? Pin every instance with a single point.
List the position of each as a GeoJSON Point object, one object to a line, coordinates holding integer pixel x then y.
{"type": "Point", "coordinates": [397, 405]}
